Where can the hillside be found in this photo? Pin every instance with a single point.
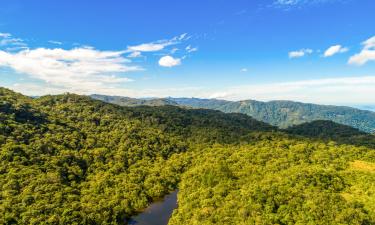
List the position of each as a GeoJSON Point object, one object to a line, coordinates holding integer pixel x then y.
{"type": "Point", "coordinates": [287, 113]}
{"type": "Point", "coordinates": [278, 113]}
{"type": "Point", "coordinates": [331, 131]}
{"type": "Point", "coordinates": [69, 159]}
{"type": "Point", "coordinates": [62, 155]}
{"type": "Point", "coordinates": [278, 180]}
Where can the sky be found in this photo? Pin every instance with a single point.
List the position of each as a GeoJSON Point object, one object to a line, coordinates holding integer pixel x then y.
{"type": "Point", "coordinates": [318, 51]}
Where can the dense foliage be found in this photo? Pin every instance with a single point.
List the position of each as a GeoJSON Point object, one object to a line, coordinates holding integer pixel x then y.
{"type": "Point", "coordinates": [330, 131]}
{"type": "Point", "coordinates": [279, 180]}
{"type": "Point", "coordinates": [278, 113]}
{"type": "Point", "coordinates": [69, 159]}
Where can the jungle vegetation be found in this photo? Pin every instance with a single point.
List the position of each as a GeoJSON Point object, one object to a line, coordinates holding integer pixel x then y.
{"type": "Point", "coordinates": [69, 159]}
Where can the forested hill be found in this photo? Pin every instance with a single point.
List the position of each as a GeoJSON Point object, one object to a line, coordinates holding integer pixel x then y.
{"type": "Point", "coordinates": [288, 113]}
{"type": "Point", "coordinates": [331, 131]}
{"type": "Point", "coordinates": [278, 113]}
{"type": "Point", "coordinates": [69, 159]}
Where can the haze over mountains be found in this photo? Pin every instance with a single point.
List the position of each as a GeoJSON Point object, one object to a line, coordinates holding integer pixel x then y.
{"type": "Point", "coordinates": [278, 113]}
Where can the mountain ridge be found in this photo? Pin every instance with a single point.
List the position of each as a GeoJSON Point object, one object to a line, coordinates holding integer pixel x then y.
{"type": "Point", "coordinates": [281, 113]}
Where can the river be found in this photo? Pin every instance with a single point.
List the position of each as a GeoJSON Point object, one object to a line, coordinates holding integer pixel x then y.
{"type": "Point", "coordinates": [158, 213]}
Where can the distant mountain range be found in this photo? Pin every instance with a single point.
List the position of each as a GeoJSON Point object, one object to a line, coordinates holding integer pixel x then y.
{"type": "Point", "coordinates": [278, 113]}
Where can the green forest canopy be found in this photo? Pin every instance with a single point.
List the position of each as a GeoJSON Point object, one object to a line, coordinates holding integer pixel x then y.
{"type": "Point", "coordinates": [68, 159]}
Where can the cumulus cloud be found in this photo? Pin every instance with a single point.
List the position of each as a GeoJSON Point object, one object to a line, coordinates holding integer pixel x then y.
{"type": "Point", "coordinates": [367, 53]}
{"type": "Point", "coordinates": [169, 61]}
{"type": "Point", "coordinates": [300, 53]}
{"type": "Point", "coordinates": [83, 69]}
{"type": "Point", "coordinates": [335, 49]}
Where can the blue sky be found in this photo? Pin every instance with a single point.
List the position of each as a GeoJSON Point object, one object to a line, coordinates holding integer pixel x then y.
{"type": "Point", "coordinates": [320, 51]}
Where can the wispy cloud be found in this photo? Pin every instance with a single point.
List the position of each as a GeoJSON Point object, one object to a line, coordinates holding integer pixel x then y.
{"type": "Point", "coordinates": [11, 43]}
{"type": "Point", "coordinates": [287, 2]}
{"type": "Point", "coordinates": [335, 49]}
{"type": "Point", "coordinates": [174, 50]}
{"type": "Point", "coordinates": [190, 49]}
{"type": "Point", "coordinates": [135, 55]}
{"type": "Point", "coordinates": [299, 3]}
{"type": "Point", "coordinates": [367, 53]}
{"type": "Point", "coordinates": [300, 53]}
{"type": "Point", "coordinates": [150, 47]}
{"type": "Point", "coordinates": [158, 45]}
{"type": "Point", "coordinates": [5, 35]}
{"type": "Point", "coordinates": [55, 42]}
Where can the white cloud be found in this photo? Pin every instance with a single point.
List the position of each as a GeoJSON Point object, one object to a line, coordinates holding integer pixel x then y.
{"type": "Point", "coordinates": [158, 45]}
{"type": "Point", "coordinates": [81, 69]}
{"type": "Point", "coordinates": [149, 47]}
{"type": "Point", "coordinates": [244, 70]}
{"type": "Point", "coordinates": [300, 53]}
{"type": "Point", "coordinates": [169, 61]}
{"type": "Point", "coordinates": [55, 42]}
{"type": "Point", "coordinates": [297, 3]}
{"type": "Point", "coordinates": [174, 50]}
{"type": "Point", "coordinates": [135, 55]}
{"type": "Point", "coordinates": [190, 49]}
{"type": "Point", "coordinates": [367, 53]}
{"type": "Point", "coordinates": [183, 36]}
{"type": "Point", "coordinates": [287, 2]}
{"type": "Point", "coordinates": [5, 35]}
{"type": "Point", "coordinates": [10, 42]}
{"type": "Point", "coordinates": [370, 43]}
{"type": "Point", "coordinates": [334, 50]}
